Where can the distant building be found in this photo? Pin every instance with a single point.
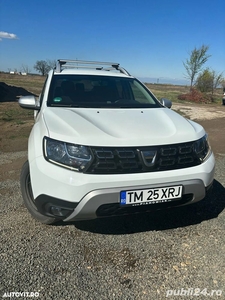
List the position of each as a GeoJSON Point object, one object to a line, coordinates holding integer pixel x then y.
{"type": "Point", "coordinates": [18, 73]}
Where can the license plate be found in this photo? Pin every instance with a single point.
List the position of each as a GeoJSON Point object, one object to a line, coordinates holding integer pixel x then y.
{"type": "Point", "coordinates": [151, 196]}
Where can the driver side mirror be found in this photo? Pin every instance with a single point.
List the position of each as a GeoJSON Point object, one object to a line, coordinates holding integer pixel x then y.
{"type": "Point", "coordinates": [29, 102]}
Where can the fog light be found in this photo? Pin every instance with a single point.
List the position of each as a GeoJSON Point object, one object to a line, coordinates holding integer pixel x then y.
{"type": "Point", "coordinates": [59, 211]}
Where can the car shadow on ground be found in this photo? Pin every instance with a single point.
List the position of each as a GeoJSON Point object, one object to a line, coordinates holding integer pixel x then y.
{"type": "Point", "coordinates": [172, 218]}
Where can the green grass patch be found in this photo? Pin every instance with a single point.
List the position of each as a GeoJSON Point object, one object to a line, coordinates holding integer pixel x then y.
{"type": "Point", "coordinates": [11, 112]}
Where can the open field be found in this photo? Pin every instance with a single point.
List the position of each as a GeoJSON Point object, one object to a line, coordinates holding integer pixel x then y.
{"type": "Point", "coordinates": [31, 83]}
{"type": "Point", "coordinates": [34, 84]}
{"type": "Point", "coordinates": [171, 92]}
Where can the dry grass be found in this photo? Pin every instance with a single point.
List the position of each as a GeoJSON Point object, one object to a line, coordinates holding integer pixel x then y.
{"type": "Point", "coordinates": [32, 83]}
{"type": "Point", "coordinates": [16, 124]}
{"type": "Point", "coordinates": [172, 92]}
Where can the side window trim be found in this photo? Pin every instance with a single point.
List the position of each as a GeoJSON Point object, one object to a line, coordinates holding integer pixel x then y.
{"type": "Point", "coordinates": [43, 91]}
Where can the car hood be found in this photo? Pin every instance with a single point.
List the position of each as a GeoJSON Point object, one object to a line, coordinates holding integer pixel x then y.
{"type": "Point", "coordinates": [119, 127]}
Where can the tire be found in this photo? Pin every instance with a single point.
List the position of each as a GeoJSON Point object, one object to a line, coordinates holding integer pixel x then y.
{"type": "Point", "coordinates": [28, 199]}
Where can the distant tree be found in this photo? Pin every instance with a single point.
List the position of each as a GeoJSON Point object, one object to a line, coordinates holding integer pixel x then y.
{"type": "Point", "coordinates": [193, 65]}
{"type": "Point", "coordinates": [208, 80]}
{"type": "Point", "coordinates": [217, 79]}
{"type": "Point", "coordinates": [223, 84]}
{"type": "Point", "coordinates": [51, 63]}
{"type": "Point", "coordinates": [25, 69]}
{"type": "Point", "coordinates": [204, 81]}
{"type": "Point", "coordinates": [42, 67]}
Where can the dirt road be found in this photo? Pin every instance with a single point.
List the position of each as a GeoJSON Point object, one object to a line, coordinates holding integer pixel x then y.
{"type": "Point", "coordinates": [212, 118]}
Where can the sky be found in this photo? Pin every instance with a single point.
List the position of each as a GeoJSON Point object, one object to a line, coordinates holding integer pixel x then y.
{"type": "Point", "coordinates": [151, 39]}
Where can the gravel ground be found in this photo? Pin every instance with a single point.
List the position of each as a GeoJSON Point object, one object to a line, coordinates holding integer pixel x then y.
{"type": "Point", "coordinates": [148, 256]}
{"type": "Point", "coordinates": [134, 257]}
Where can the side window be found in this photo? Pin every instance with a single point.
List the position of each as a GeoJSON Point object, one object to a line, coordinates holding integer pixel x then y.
{"type": "Point", "coordinates": [43, 92]}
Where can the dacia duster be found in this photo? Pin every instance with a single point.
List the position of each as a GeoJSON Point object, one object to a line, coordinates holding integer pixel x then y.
{"type": "Point", "coordinates": [104, 145]}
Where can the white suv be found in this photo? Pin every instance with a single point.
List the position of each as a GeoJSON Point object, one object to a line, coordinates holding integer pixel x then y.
{"type": "Point", "coordinates": [103, 145]}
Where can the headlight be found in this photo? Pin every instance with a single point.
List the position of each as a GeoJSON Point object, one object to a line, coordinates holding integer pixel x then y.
{"type": "Point", "coordinates": [74, 157]}
{"type": "Point", "coordinates": [202, 148]}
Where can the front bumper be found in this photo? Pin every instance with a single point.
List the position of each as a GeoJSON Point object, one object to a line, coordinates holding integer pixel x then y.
{"type": "Point", "coordinates": [83, 196]}
{"type": "Point", "coordinates": [103, 203]}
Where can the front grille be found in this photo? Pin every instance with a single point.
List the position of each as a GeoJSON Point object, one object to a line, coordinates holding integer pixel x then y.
{"type": "Point", "coordinates": [124, 160]}
{"type": "Point", "coordinates": [115, 209]}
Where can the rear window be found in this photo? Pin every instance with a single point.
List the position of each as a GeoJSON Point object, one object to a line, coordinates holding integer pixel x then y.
{"type": "Point", "coordinates": [99, 91]}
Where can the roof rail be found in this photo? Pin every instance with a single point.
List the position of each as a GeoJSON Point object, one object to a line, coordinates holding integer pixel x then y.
{"type": "Point", "coordinates": [77, 64]}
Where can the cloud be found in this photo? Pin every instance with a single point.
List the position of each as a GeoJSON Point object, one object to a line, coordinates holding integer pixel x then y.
{"type": "Point", "coordinates": [6, 35]}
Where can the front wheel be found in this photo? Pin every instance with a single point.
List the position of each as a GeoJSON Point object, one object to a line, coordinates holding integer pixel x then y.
{"type": "Point", "coordinates": [28, 198]}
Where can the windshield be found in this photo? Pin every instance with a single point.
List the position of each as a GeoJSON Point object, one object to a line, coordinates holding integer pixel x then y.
{"type": "Point", "coordinates": [99, 92]}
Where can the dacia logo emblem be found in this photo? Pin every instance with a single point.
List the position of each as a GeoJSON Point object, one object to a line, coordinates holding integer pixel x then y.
{"type": "Point", "coordinates": [149, 157]}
